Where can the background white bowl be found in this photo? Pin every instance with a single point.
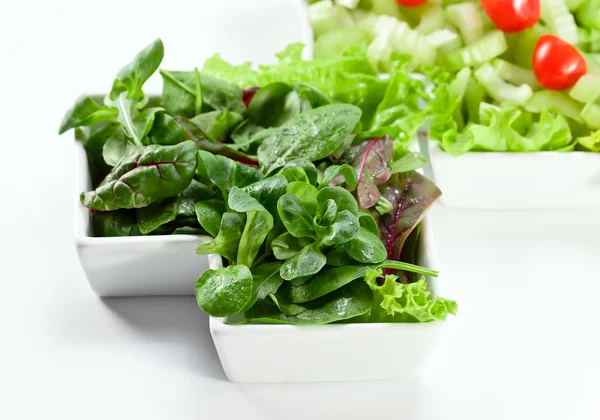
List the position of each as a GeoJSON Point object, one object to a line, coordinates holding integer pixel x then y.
{"type": "Point", "coordinates": [541, 180]}
{"type": "Point", "coordinates": [256, 353]}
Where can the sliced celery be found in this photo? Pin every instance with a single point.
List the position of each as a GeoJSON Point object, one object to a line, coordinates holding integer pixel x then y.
{"type": "Point", "coordinates": [326, 16]}
{"type": "Point", "coordinates": [445, 40]}
{"type": "Point", "coordinates": [593, 64]}
{"type": "Point", "coordinates": [366, 21]}
{"type": "Point", "coordinates": [432, 19]}
{"type": "Point", "coordinates": [554, 102]}
{"type": "Point", "coordinates": [386, 7]}
{"type": "Point", "coordinates": [490, 46]}
{"type": "Point", "coordinates": [587, 89]}
{"type": "Point", "coordinates": [559, 20]}
{"type": "Point", "coordinates": [499, 89]}
{"type": "Point", "coordinates": [526, 42]}
{"type": "Point", "coordinates": [380, 51]}
{"type": "Point", "coordinates": [514, 74]}
{"type": "Point", "coordinates": [591, 115]}
{"type": "Point", "coordinates": [466, 17]}
{"type": "Point", "coordinates": [349, 4]}
{"type": "Point", "coordinates": [588, 14]}
{"type": "Point", "coordinates": [474, 96]}
{"type": "Point", "coordinates": [408, 41]}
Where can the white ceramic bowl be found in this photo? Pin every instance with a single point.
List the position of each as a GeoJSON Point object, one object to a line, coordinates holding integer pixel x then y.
{"type": "Point", "coordinates": [136, 265]}
{"type": "Point", "coordinates": [542, 180]}
{"type": "Point", "coordinates": [341, 352]}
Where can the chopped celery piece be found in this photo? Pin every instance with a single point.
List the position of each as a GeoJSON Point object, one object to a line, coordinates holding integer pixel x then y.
{"type": "Point", "coordinates": [514, 74]}
{"type": "Point", "coordinates": [366, 21]}
{"type": "Point", "coordinates": [380, 51]}
{"type": "Point", "coordinates": [490, 46]}
{"type": "Point", "coordinates": [458, 86]}
{"type": "Point", "coordinates": [593, 63]}
{"type": "Point", "coordinates": [444, 40]}
{"type": "Point", "coordinates": [386, 7]}
{"type": "Point", "coordinates": [474, 96]}
{"type": "Point", "coordinates": [499, 89]}
{"type": "Point", "coordinates": [405, 40]}
{"type": "Point", "coordinates": [326, 16]}
{"type": "Point", "coordinates": [588, 14]}
{"type": "Point", "coordinates": [526, 42]}
{"type": "Point", "coordinates": [336, 43]}
{"type": "Point", "coordinates": [349, 4]}
{"type": "Point", "coordinates": [432, 19]}
{"type": "Point", "coordinates": [591, 115]}
{"type": "Point", "coordinates": [559, 20]}
{"type": "Point", "coordinates": [554, 102]}
{"type": "Point", "coordinates": [385, 25]}
{"type": "Point", "coordinates": [574, 4]}
{"type": "Point", "coordinates": [466, 17]}
{"type": "Point", "coordinates": [587, 89]}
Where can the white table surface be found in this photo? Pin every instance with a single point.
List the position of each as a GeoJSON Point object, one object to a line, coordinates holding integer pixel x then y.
{"type": "Point", "coordinates": [524, 346]}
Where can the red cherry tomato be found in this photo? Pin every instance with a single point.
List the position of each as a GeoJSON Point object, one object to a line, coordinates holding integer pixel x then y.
{"type": "Point", "coordinates": [411, 3]}
{"type": "Point", "coordinates": [512, 15]}
{"type": "Point", "coordinates": [557, 65]}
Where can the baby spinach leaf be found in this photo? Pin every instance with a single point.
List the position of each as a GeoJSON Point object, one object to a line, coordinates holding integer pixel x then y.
{"type": "Point", "coordinates": [313, 97]}
{"type": "Point", "coordinates": [312, 135]}
{"type": "Point", "coordinates": [411, 195]}
{"type": "Point", "coordinates": [344, 199]}
{"type": "Point", "coordinates": [86, 112]}
{"type": "Point", "coordinates": [117, 147]}
{"type": "Point", "coordinates": [180, 93]}
{"type": "Point", "coordinates": [295, 174]}
{"type": "Point", "coordinates": [259, 223]}
{"type": "Point", "coordinates": [115, 223]}
{"type": "Point", "coordinates": [342, 230]}
{"type": "Point", "coordinates": [136, 124]}
{"type": "Point", "coordinates": [265, 280]}
{"type": "Point", "coordinates": [225, 291]}
{"type": "Point", "coordinates": [268, 104]}
{"type": "Point", "coordinates": [138, 180]}
{"type": "Point", "coordinates": [366, 247]}
{"type": "Point", "coordinates": [227, 240]}
{"type": "Point", "coordinates": [339, 257]}
{"type": "Point", "coordinates": [135, 74]}
{"type": "Point", "coordinates": [217, 125]}
{"type": "Point", "coordinates": [370, 159]}
{"type": "Point", "coordinates": [307, 262]}
{"type": "Point", "coordinates": [285, 306]}
{"type": "Point", "coordinates": [165, 130]}
{"type": "Point", "coordinates": [225, 173]}
{"type": "Point", "coordinates": [326, 281]}
{"type": "Point", "coordinates": [268, 191]}
{"type": "Point", "coordinates": [336, 174]}
{"type": "Point", "coordinates": [294, 216]}
{"type": "Point", "coordinates": [285, 246]}
{"type": "Point", "coordinates": [368, 223]}
{"type": "Point", "coordinates": [306, 193]}
{"type": "Point", "coordinates": [93, 146]}
{"type": "Point", "coordinates": [348, 302]}
{"type": "Point", "coordinates": [209, 213]}
{"type": "Point", "coordinates": [307, 166]}
{"type": "Point", "coordinates": [157, 214]}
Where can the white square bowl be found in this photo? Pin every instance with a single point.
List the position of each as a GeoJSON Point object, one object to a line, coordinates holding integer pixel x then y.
{"type": "Point", "coordinates": [135, 265]}
{"type": "Point", "coordinates": [518, 181]}
{"type": "Point", "coordinates": [256, 353]}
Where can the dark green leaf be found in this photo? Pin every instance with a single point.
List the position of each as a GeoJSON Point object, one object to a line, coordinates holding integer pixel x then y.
{"type": "Point", "coordinates": [337, 174]}
{"type": "Point", "coordinates": [93, 146]}
{"type": "Point", "coordinates": [368, 223]}
{"type": "Point", "coordinates": [338, 257]}
{"type": "Point", "coordinates": [136, 124]}
{"type": "Point", "coordinates": [313, 96]}
{"type": "Point", "coordinates": [117, 147]}
{"type": "Point", "coordinates": [268, 105]}
{"type": "Point", "coordinates": [312, 135]}
{"type": "Point", "coordinates": [285, 306]}
{"type": "Point", "coordinates": [307, 166]}
{"type": "Point", "coordinates": [115, 223]}
{"type": "Point", "coordinates": [157, 214]}
{"type": "Point", "coordinates": [268, 191]}
{"type": "Point", "coordinates": [265, 280]}
{"type": "Point", "coordinates": [366, 247]}
{"type": "Point", "coordinates": [295, 217]}
{"type": "Point", "coordinates": [286, 246]}
{"type": "Point", "coordinates": [225, 291]}
{"type": "Point", "coordinates": [86, 112]}
{"type": "Point", "coordinates": [343, 229]}
{"type": "Point", "coordinates": [326, 282]}
{"type": "Point", "coordinates": [165, 131]}
{"type": "Point", "coordinates": [225, 173]}
{"type": "Point", "coordinates": [209, 214]}
{"type": "Point", "coordinates": [227, 240]}
{"type": "Point", "coordinates": [138, 180]}
{"type": "Point", "coordinates": [344, 199]}
{"type": "Point", "coordinates": [146, 62]}
{"type": "Point", "coordinates": [217, 125]}
{"type": "Point", "coordinates": [307, 262]}
{"type": "Point", "coordinates": [306, 193]}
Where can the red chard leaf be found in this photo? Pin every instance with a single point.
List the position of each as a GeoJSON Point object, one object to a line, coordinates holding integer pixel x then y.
{"type": "Point", "coordinates": [370, 159]}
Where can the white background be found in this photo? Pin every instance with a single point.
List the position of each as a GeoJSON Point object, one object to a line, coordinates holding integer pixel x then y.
{"type": "Point", "coordinates": [524, 346]}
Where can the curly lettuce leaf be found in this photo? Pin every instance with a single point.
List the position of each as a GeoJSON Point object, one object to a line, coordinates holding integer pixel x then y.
{"type": "Point", "coordinates": [398, 302]}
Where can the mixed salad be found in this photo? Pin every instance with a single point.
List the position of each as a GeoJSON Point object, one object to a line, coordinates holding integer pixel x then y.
{"type": "Point", "coordinates": [300, 171]}
{"type": "Point", "coordinates": [512, 75]}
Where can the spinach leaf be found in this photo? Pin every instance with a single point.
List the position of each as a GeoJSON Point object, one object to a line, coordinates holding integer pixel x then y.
{"type": "Point", "coordinates": [225, 291]}
{"type": "Point", "coordinates": [267, 107]}
{"type": "Point", "coordinates": [306, 193]}
{"type": "Point", "coordinates": [209, 213]}
{"type": "Point", "coordinates": [285, 306]}
{"type": "Point", "coordinates": [165, 130]}
{"type": "Point", "coordinates": [339, 257]}
{"type": "Point", "coordinates": [286, 246]}
{"type": "Point", "coordinates": [295, 174]}
{"type": "Point", "coordinates": [326, 282]}
{"type": "Point", "coordinates": [157, 214]}
{"type": "Point", "coordinates": [136, 124]}
{"type": "Point", "coordinates": [343, 199]}
{"type": "Point", "coordinates": [217, 125]}
{"type": "Point", "coordinates": [117, 147]}
{"type": "Point", "coordinates": [312, 135]}
{"type": "Point", "coordinates": [259, 223]}
{"type": "Point", "coordinates": [225, 173]}
{"type": "Point", "coordinates": [227, 241]}
{"type": "Point", "coordinates": [343, 229]}
{"type": "Point", "coordinates": [308, 168]}
{"type": "Point", "coordinates": [294, 216]}
{"type": "Point", "coordinates": [348, 302]}
{"type": "Point", "coordinates": [265, 280]}
{"type": "Point", "coordinates": [138, 180]}
{"type": "Point", "coordinates": [366, 247]}
{"type": "Point", "coordinates": [115, 223]}
{"type": "Point", "coordinates": [181, 90]}
{"type": "Point", "coordinates": [93, 146]}
{"type": "Point", "coordinates": [86, 112]}
{"type": "Point", "coordinates": [311, 96]}
{"type": "Point", "coordinates": [307, 262]}
{"type": "Point", "coordinates": [135, 74]}
{"type": "Point", "coordinates": [268, 191]}
{"type": "Point", "coordinates": [336, 174]}
{"type": "Point", "coordinates": [368, 223]}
